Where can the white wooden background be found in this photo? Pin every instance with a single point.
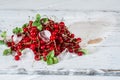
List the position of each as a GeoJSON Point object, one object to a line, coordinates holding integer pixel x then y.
{"type": "Point", "coordinates": [105, 56]}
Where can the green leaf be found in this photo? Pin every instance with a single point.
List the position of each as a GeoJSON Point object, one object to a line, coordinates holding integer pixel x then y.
{"type": "Point", "coordinates": [51, 54]}
{"type": "Point", "coordinates": [20, 30]}
{"type": "Point", "coordinates": [17, 30]}
{"type": "Point", "coordinates": [39, 27]}
{"type": "Point", "coordinates": [3, 34]}
{"type": "Point", "coordinates": [36, 23]}
{"type": "Point", "coordinates": [7, 52]}
{"type": "Point", "coordinates": [55, 59]}
{"type": "Point", "coordinates": [38, 17]}
{"type": "Point", "coordinates": [25, 25]}
{"type": "Point", "coordinates": [2, 42]}
{"type": "Point", "coordinates": [50, 61]}
{"type": "Point", "coordinates": [85, 51]}
{"type": "Point", "coordinates": [45, 20]}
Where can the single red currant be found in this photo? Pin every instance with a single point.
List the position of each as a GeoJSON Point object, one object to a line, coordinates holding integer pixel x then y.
{"type": "Point", "coordinates": [25, 29]}
{"type": "Point", "coordinates": [78, 40]}
{"type": "Point", "coordinates": [17, 58]}
{"type": "Point", "coordinates": [44, 58]}
{"type": "Point", "coordinates": [51, 48]}
{"type": "Point", "coordinates": [52, 38]}
{"type": "Point", "coordinates": [54, 33]}
{"type": "Point", "coordinates": [44, 54]}
{"type": "Point", "coordinates": [71, 50]}
{"type": "Point", "coordinates": [72, 35]}
{"type": "Point", "coordinates": [62, 24]}
{"type": "Point", "coordinates": [80, 53]}
{"type": "Point", "coordinates": [56, 26]}
{"type": "Point", "coordinates": [42, 47]}
{"type": "Point", "coordinates": [32, 46]}
{"type": "Point", "coordinates": [9, 44]}
{"type": "Point", "coordinates": [37, 57]}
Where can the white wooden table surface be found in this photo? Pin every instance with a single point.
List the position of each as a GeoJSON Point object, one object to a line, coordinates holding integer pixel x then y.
{"type": "Point", "coordinates": [105, 55]}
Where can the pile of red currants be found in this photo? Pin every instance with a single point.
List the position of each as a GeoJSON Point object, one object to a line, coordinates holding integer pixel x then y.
{"type": "Point", "coordinates": [46, 38]}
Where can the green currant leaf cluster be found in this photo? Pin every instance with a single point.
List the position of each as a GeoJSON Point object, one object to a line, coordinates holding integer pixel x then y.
{"type": "Point", "coordinates": [7, 52]}
{"type": "Point", "coordinates": [51, 59]}
{"type": "Point", "coordinates": [4, 34]}
{"type": "Point", "coordinates": [25, 25]}
{"type": "Point", "coordinates": [17, 30]}
{"type": "Point", "coordinates": [37, 22]}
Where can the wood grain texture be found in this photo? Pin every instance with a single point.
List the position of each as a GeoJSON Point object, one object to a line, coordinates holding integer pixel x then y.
{"type": "Point", "coordinates": [103, 59]}
{"type": "Point", "coordinates": [102, 56]}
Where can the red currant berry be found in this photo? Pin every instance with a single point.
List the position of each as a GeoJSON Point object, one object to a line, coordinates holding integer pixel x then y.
{"type": "Point", "coordinates": [57, 53]}
{"type": "Point", "coordinates": [58, 48]}
{"type": "Point", "coordinates": [32, 46]}
{"type": "Point", "coordinates": [34, 38]}
{"type": "Point", "coordinates": [44, 54]}
{"type": "Point", "coordinates": [9, 44]}
{"type": "Point", "coordinates": [42, 47]}
{"type": "Point", "coordinates": [72, 35]}
{"type": "Point", "coordinates": [56, 30]}
{"type": "Point", "coordinates": [12, 43]}
{"type": "Point", "coordinates": [47, 46]}
{"type": "Point", "coordinates": [25, 29]}
{"type": "Point", "coordinates": [77, 46]}
{"type": "Point", "coordinates": [62, 24]}
{"type": "Point", "coordinates": [17, 58]}
{"type": "Point", "coordinates": [47, 28]}
{"type": "Point", "coordinates": [80, 53]}
{"type": "Point", "coordinates": [35, 52]}
{"type": "Point", "coordinates": [51, 48]}
{"type": "Point", "coordinates": [71, 50]}
{"type": "Point", "coordinates": [54, 33]}
{"type": "Point", "coordinates": [44, 58]}
{"type": "Point", "coordinates": [37, 57]}
{"type": "Point", "coordinates": [19, 47]}
{"type": "Point", "coordinates": [78, 40]}
{"type": "Point", "coordinates": [33, 34]}
{"type": "Point", "coordinates": [52, 38]}
{"type": "Point", "coordinates": [42, 42]}
{"type": "Point", "coordinates": [19, 53]}
{"type": "Point", "coordinates": [56, 26]}
{"type": "Point", "coordinates": [26, 39]}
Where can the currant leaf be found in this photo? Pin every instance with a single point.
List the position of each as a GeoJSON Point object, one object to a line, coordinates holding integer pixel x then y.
{"type": "Point", "coordinates": [51, 54]}
{"type": "Point", "coordinates": [25, 25]}
{"type": "Point", "coordinates": [36, 23]}
{"type": "Point", "coordinates": [20, 30]}
{"type": "Point", "coordinates": [2, 42]}
{"type": "Point", "coordinates": [55, 59]}
{"type": "Point", "coordinates": [38, 17]}
{"type": "Point", "coordinates": [45, 20]}
{"type": "Point", "coordinates": [4, 34]}
{"type": "Point", "coordinates": [50, 61]}
{"type": "Point", "coordinates": [39, 27]}
{"type": "Point", "coordinates": [17, 30]}
{"type": "Point", "coordinates": [7, 52]}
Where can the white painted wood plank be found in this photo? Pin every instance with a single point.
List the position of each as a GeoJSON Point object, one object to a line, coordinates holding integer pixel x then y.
{"type": "Point", "coordinates": [45, 77]}
{"type": "Point", "coordinates": [103, 56]}
{"type": "Point", "coordinates": [61, 4]}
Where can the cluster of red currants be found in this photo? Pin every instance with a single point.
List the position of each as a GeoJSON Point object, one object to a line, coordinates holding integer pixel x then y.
{"type": "Point", "coordinates": [61, 38]}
